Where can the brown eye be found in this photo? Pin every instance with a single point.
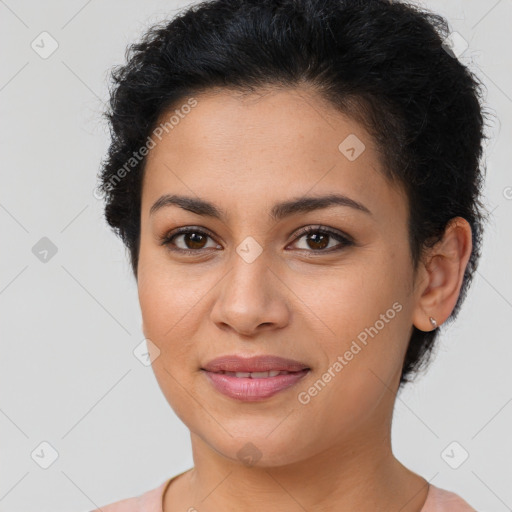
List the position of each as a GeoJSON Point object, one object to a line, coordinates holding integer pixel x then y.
{"type": "Point", "coordinates": [318, 238]}
{"type": "Point", "coordinates": [190, 239]}
{"type": "Point", "coordinates": [194, 240]}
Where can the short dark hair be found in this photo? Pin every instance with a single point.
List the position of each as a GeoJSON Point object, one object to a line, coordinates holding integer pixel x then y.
{"type": "Point", "coordinates": [383, 63]}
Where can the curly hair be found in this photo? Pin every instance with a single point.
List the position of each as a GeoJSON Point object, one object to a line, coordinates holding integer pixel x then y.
{"type": "Point", "coordinates": [383, 63]}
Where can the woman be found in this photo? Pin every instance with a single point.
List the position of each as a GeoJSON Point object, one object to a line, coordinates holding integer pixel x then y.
{"type": "Point", "coordinates": [298, 185]}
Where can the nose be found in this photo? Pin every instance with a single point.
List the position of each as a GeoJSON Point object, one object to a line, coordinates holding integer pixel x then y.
{"type": "Point", "coordinates": [251, 298]}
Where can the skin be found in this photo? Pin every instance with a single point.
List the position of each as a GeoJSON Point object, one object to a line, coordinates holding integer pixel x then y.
{"type": "Point", "coordinates": [244, 154]}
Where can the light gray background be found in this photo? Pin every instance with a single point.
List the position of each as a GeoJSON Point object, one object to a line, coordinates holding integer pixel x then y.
{"type": "Point", "coordinates": [69, 326]}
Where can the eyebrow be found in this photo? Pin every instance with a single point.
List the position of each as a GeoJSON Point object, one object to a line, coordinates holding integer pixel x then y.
{"type": "Point", "coordinates": [279, 211]}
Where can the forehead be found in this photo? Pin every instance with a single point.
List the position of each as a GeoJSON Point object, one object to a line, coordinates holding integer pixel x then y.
{"type": "Point", "coordinates": [244, 151]}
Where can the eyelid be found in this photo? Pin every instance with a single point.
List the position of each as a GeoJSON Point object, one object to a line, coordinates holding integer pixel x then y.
{"type": "Point", "coordinates": [344, 240]}
{"type": "Point", "coordinates": [165, 240]}
{"type": "Point", "coordinates": [322, 228]}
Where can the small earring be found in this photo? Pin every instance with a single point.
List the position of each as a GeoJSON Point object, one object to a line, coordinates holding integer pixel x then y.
{"type": "Point", "coordinates": [433, 322]}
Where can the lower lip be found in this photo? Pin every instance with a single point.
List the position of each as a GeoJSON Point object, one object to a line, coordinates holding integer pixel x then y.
{"type": "Point", "coordinates": [252, 390]}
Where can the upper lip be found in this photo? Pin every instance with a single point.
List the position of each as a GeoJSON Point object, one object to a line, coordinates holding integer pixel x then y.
{"type": "Point", "coordinates": [234, 363]}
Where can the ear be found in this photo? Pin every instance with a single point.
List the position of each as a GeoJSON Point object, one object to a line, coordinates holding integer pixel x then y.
{"type": "Point", "coordinates": [442, 275]}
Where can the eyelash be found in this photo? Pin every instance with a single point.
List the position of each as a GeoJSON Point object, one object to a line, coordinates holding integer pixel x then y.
{"type": "Point", "coordinates": [166, 240]}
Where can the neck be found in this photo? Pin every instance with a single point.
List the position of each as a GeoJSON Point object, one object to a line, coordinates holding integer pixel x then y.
{"type": "Point", "coordinates": [359, 474]}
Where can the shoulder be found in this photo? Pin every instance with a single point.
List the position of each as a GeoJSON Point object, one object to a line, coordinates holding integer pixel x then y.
{"type": "Point", "coordinates": [441, 500]}
{"type": "Point", "coordinates": [149, 501]}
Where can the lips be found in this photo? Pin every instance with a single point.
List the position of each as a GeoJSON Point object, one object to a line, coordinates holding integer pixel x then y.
{"type": "Point", "coordinates": [253, 379]}
{"type": "Point", "coordinates": [256, 375]}
{"type": "Point", "coordinates": [254, 365]}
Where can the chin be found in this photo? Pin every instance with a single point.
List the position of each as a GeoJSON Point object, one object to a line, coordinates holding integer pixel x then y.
{"type": "Point", "coordinates": [255, 447]}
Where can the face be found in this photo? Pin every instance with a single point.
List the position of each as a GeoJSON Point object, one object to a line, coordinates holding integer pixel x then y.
{"type": "Point", "coordinates": [251, 282]}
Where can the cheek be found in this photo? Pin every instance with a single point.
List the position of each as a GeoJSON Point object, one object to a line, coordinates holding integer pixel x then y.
{"type": "Point", "coordinates": [363, 363]}
{"type": "Point", "coordinates": [172, 302]}
{"type": "Point", "coordinates": [165, 296]}
{"type": "Point", "coordinates": [365, 315]}
{"type": "Point", "coordinates": [167, 307]}
{"type": "Point", "coordinates": [345, 302]}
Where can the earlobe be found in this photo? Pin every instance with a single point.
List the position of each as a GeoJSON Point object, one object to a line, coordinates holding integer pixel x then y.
{"type": "Point", "coordinates": [444, 269]}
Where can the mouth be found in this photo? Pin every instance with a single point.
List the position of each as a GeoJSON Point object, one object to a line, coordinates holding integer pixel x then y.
{"type": "Point", "coordinates": [255, 375]}
{"type": "Point", "coordinates": [254, 365]}
{"type": "Point", "coordinates": [253, 379]}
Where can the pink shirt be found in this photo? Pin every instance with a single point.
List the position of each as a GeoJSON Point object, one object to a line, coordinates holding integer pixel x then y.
{"type": "Point", "coordinates": [438, 500]}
